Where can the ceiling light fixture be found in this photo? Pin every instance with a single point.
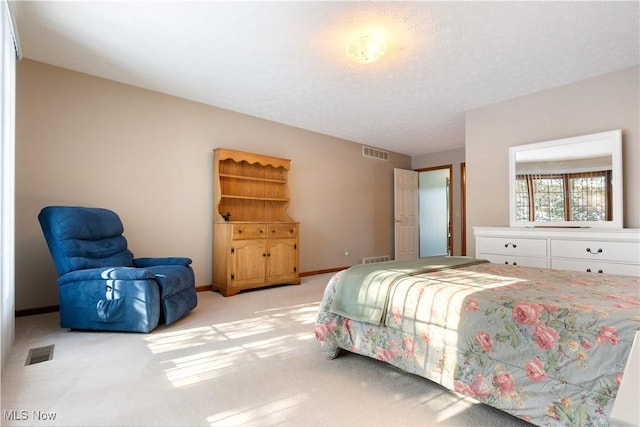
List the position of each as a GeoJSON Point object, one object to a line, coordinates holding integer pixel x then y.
{"type": "Point", "coordinates": [366, 49]}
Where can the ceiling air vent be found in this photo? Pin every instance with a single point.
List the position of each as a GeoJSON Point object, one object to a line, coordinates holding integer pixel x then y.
{"type": "Point", "coordinates": [374, 153]}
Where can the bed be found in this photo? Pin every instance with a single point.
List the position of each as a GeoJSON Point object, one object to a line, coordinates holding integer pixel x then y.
{"type": "Point", "coordinates": [547, 346]}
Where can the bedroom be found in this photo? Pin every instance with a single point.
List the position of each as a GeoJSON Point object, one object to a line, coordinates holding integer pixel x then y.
{"type": "Point", "coordinates": [85, 121]}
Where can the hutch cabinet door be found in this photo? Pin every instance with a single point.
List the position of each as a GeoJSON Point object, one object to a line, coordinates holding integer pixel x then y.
{"type": "Point", "coordinates": [282, 259]}
{"type": "Point", "coordinates": [247, 262]}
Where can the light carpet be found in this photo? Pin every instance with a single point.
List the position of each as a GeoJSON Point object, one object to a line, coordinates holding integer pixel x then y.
{"type": "Point", "coordinates": [250, 359]}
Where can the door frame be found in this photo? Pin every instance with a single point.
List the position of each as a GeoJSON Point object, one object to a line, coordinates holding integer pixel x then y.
{"type": "Point", "coordinates": [463, 208]}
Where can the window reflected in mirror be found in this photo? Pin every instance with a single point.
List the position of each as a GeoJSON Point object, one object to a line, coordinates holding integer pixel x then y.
{"type": "Point", "coordinates": [564, 197]}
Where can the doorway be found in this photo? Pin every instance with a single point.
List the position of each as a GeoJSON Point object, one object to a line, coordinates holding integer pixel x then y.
{"type": "Point", "coordinates": [435, 211]}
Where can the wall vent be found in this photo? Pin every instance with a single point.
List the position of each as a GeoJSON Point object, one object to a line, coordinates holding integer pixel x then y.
{"type": "Point", "coordinates": [372, 259]}
{"type": "Point", "coordinates": [374, 153]}
{"type": "Point", "coordinates": [40, 354]}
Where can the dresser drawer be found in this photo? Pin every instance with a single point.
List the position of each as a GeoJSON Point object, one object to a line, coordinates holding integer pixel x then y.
{"type": "Point", "coordinates": [515, 260]}
{"type": "Point", "coordinates": [596, 250]}
{"type": "Point", "coordinates": [512, 246]}
{"type": "Point", "coordinates": [595, 267]}
{"type": "Point", "coordinates": [249, 231]}
{"type": "Point", "coordinates": [282, 230]}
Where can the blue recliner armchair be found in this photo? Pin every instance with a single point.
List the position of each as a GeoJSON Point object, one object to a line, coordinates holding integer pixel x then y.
{"type": "Point", "coordinates": [101, 286]}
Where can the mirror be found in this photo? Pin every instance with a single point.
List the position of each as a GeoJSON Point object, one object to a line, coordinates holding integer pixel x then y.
{"type": "Point", "coordinates": [571, 182]}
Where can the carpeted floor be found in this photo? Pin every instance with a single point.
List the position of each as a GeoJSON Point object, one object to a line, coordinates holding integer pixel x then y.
{"type": "Point", "coordinates": [250, 359]}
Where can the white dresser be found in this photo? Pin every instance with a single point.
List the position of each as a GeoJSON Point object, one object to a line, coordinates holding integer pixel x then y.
{"type": "Point", "coordinates": [612, 251]}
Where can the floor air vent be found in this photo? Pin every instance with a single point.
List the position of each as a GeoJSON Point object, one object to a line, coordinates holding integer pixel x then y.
{"type": "Point", "coordinates": [374, 153]}
{"type": "Point", "coordinates": [40, 354]}
{"type": "Point", "coordinates": [371, 260]}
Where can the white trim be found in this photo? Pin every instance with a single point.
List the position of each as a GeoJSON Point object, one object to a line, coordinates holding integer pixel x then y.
{"type": "Point", "coordinates": [10, 7]}
{"type": "Point", "coordinates": [7, 183]}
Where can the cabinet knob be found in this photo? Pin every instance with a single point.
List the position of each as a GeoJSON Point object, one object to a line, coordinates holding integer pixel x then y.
{"type": "Point", "coordinates": [240, 232]}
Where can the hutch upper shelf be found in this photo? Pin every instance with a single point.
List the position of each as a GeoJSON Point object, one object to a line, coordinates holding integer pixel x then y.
{"type": "Point", "coordinates": [250, 187]}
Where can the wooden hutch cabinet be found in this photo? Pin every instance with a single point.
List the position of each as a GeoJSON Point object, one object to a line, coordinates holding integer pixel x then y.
{"type": "Point", "coordinates": [255, 242]}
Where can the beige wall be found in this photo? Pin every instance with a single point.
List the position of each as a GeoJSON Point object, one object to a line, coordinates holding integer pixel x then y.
{"type": "Point", "coordinates": [83, 140]}
{"type": "Point", "coordinates": [454, 158]}
{"type": "Point", "coordinates": [598, 104]}
{"type": "Point", "coordinates": [89, 141]}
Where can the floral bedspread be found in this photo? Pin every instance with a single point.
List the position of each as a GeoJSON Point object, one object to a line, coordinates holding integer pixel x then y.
{"type": "Point", "coordinates": [548, 346]}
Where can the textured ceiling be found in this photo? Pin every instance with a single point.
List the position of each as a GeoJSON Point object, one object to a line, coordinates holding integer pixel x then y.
{"type": "Point", "coordinates": [286, 62]}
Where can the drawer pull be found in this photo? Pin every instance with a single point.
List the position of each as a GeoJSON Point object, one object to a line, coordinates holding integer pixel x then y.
{"type": "Point", "coordinates": [240, 232]}
{"type": "Point", "coordinates": [506, 245]}
{"type": "Point", "coordinates": [599, 251]}
{"type": "Point", "coordinates": [599, 271]}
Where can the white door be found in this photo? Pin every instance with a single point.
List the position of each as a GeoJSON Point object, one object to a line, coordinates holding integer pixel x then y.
{"type": "Point", "coordinates": [405, 184]}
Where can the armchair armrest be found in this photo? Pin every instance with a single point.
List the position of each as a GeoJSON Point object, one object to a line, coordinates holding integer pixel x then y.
{"type": "Point", "coordinates": [152, 262]}
{"type": "Point", "coordinates": [106, 273]}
